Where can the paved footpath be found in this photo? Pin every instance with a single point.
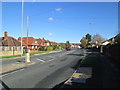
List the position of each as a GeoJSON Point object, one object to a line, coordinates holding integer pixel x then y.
{"type": "Point", "coordinates": [103, 75]}
{"type": "Point", "coordinates": [15, 66]}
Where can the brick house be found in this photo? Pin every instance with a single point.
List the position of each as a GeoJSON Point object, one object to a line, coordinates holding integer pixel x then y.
{"type": "Point", "coordinates": [9, 45]}
{"type": "Point", "coordinates": [31, 43]}
{"type": "Point", "coordinates": [43, 42]}
{"type": "Point", "coordinates": [54, 43]}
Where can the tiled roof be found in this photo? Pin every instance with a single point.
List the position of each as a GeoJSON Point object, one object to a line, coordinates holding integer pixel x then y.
{"type": "Point", "coordinates": [10, 41]}
{"type": "Point", "coordinates": [29, 40]}
{"type": "Point", "coordinates": [39, 41]}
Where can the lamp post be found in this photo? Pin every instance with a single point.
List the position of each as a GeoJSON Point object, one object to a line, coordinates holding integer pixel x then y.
{"type": "Point", "coordinates": [28, 51]}
{"type": "Point", "coordinates": [22, 22]}
{"type": "Point", "coordinates": [27, 29]}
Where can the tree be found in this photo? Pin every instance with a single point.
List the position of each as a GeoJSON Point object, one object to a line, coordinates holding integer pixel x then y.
{"type": "Point", "coordinates": [67, 44]}
{"type": "Point", "coordinates": [88, 38]}
{"type": "Point", "coordinates": [97, 38]}
{"type": "Point", "coordinates": [83, 42]}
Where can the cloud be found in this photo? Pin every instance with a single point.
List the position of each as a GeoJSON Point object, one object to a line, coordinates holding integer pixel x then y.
{"type": "Point", "coordinates": [58, 9]}
{"type": "Point", "coordinates": [50, 19]}
{"type": "Point", "coordinates": [50, 34]}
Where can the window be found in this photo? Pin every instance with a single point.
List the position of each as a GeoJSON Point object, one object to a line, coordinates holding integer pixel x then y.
{"type": "Point", "coordinates": [11, 39]}
{"type": "Point", "coordinates": [32, 47]}
{"type": "Point", "coordinates": [35, 46]}
{"type": "Point", "coordinates": [35, 41]}
{"type": "Point", "coordinates": [48, 44]}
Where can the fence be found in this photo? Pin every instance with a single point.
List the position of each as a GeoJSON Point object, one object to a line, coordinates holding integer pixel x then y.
{"type": "Point", "coordinates": [10, 50]}
{"type": "Point", "coordinates": [113, 51]}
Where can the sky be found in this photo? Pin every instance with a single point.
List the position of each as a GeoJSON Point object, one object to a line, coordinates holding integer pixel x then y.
{"type": "Point", "coordinates": [61, 21]}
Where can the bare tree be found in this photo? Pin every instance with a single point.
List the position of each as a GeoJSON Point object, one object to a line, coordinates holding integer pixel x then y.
{"type": "Point", "coordinates": [97, 38]}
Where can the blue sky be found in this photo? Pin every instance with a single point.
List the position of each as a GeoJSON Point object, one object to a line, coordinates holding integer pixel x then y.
{"type": "Point", "coordinates": [61, 21]}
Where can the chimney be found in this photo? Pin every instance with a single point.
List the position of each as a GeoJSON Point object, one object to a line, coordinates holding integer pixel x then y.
{"type": "Point", "coordinates": [5, 35]}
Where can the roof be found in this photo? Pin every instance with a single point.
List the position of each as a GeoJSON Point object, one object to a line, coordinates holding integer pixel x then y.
{"type": "Point", "coordinates": [117, 38]}
{"type": "Point", "coordinates": [42, 41]}
{"type": "Point", "coordinates": [9, 41]}
{"type": "Point", "coordinates": [29, 40]}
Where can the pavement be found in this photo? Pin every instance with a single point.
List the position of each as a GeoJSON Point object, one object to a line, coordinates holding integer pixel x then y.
{"type": "Point", "coordinates": [15, 66]}
{"type": "Point", "coordinates": [94, 74]}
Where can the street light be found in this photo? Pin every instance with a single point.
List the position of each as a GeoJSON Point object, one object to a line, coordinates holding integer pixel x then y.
{"type": "Point", "coordinates": [28, 51]}
{"type": "Point", "coordinates": [22, 22]}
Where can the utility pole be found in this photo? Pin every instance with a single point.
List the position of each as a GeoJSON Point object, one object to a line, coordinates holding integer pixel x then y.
{"type": "Point", "coordinates": [28, 51]}
{"type": "Point", "coordinates": [22, 22]}
{"type": "Point", "coordinates": [27, 29]}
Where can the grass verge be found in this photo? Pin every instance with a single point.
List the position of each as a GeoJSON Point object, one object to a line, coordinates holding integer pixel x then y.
{"type": "Point", "coordinates": [19, 55]}
{"type": "Point", "coordinates": [90, 61]}
{"type": "Point", "coordinates": [11, 56]}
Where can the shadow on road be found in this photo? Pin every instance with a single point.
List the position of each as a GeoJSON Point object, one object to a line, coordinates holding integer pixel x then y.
{"type": "Point", "coordinates": [76, 54]}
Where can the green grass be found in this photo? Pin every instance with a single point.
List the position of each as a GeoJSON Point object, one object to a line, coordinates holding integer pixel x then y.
{"type": "Point", "coordinates": [36, 53]}
{"type": "Point", "coordinates": [90, 61]}
{"type": "Point", "coordinates": [19, 55]}
{"type": "Point", "coordinates": [11, 56]}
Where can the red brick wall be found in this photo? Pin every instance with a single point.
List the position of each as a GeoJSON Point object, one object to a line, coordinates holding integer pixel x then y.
{"type": "Point", "coordinates": [31, 51]}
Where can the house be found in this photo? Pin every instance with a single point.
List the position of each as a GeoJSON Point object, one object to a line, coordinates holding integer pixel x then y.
{"type": "Point", "coordinates": [117, 38]}
{"type": "Point", "coordinates": [31, 43]}
{"type": "Point", "coordinates": [53, 43]}
{"type": "Point", "coordinates": [113, 40]}
{"type": "Point", "coordinates": [9, 46]}
{"type": "Point", "coordinates": [75, 45]}
{"type": "Point", "coordinates": [43, 42]}
{"type": "Point", "coordinates": [106, 42]}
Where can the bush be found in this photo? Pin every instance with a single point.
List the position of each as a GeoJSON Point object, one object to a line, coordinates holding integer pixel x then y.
{"type": "Point", "coordinates": [42, 48]}
{"type": "Point", "coordinates": [55, 47]}
{"type": "Point", "coordinates": [60, 48]}
{"type": "Point", "coordinates": [49, 48]}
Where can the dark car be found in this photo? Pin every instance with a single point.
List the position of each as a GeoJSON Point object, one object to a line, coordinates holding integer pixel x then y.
{"type": "Point", "coordinates": [68, 48]}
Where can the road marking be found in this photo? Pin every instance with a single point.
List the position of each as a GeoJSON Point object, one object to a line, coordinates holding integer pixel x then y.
{"type": "Point", "coordinates": [41, 60]}
{"type": "Point", "coordinates": [11, 73]}
{"type": "Point", "coordinates": [50, 60]}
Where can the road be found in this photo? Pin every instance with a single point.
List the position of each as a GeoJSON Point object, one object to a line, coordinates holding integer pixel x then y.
{"type": "Point", "coordinates": [48, 71]}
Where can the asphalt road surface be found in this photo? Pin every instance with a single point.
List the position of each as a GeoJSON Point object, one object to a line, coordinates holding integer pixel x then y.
{"type": "Point", "coordinates": [48, 71]}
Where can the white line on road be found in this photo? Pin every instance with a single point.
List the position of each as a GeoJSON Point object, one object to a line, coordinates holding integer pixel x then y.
{"type": "Point", "coordinates": [50, 60]}
{"type": "Point", "coordinates": [11, 73]}
{"type": "Point", "coordinates": [41, 60]}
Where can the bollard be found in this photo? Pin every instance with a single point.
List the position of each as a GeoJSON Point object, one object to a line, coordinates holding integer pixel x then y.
{"type": "Point", "coordinates": [101, 49]}
{"type": "Point", "coordinates": [27, 57]}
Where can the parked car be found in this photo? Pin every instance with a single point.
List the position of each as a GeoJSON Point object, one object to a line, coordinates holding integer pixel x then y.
{"type": "Point", "coordinates": [68, 48]}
